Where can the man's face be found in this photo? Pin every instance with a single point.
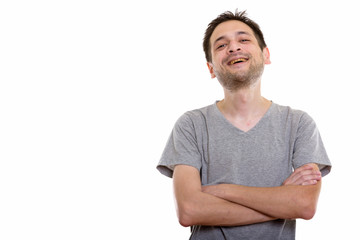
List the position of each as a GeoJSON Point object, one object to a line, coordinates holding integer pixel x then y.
{"type": "Point", "coordinates": [237, 60]}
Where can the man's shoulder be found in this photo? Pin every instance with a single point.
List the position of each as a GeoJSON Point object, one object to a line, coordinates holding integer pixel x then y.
{"type": "Point", "coordinates": [289, 111]}
{"type": "Point", "coordinates": [195, 118]}
{"type": "Point", "coordinates": [202, 110]}
{"type": "Point", "coordinates": [297, 117]}
{"type": "Point", "coordinates": [198, 113]}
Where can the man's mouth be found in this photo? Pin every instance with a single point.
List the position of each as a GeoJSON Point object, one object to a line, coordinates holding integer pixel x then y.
{"type": "Point", "coordinates": [239, 60]}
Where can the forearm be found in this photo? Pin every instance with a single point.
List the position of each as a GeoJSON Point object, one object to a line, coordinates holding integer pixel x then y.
{"type": "Point", "coordinates": [195, 207]}
{"type": "Point", "coordinates": [280, 202]}
{"type": "Point", "coordinates": [205, 209]}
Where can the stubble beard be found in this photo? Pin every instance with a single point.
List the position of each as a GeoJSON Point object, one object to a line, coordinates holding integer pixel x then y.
{"type": "Point", "coordinates": [241, 80]}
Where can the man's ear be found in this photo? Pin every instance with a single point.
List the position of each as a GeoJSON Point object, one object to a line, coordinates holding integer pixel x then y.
{"type": "Point", "coordinates": [211, 69]}
{"type": "Point", "coordinates": [266, 54]}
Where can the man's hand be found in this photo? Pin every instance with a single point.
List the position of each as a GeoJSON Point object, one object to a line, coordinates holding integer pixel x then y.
{"type": "Point", "coordinates": [291, 200]}
{"type": "Point", "coordinates": [308, 174]}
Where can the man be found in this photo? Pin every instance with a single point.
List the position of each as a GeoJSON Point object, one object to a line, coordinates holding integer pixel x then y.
{"type": "Point", "coordinates": [243, 167]}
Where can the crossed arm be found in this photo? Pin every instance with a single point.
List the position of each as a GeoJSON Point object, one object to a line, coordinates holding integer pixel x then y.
{"type": "Point", "coordinates": [235, 205]}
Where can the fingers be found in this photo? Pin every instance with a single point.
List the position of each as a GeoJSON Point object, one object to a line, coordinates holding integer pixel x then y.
{"type": "Point", "coordinates": [310, 182]}
{"type": "Point", "coordinates": [308, 174]}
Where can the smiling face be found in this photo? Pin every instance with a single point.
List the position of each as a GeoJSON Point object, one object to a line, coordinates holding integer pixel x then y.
{"type": "Point", "coordinates": [237, 60]}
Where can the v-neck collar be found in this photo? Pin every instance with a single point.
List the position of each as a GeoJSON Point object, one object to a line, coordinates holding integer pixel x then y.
{"type": "Point", "coordinates": [257, 125]}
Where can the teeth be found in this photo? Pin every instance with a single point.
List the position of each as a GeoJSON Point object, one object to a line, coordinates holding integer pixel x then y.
{"type": "Point", "coordinates": [238, 60]}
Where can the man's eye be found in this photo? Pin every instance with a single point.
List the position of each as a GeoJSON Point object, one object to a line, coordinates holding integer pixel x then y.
{"type": "Point", "coordinates": [244, 40]}
{"type": "Point", "coordinates": [221, 46]}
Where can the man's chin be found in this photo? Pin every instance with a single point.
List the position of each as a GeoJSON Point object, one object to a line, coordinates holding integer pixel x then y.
{"type": "Point", "coordinates": [237, 83]}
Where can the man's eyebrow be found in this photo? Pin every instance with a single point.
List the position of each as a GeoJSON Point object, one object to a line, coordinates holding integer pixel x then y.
{"type": "Point", "coordinates": [238, 33]}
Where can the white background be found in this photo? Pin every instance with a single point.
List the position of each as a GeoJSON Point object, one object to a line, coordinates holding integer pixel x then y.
{"type": "Point", "coordinates": [90, 90]}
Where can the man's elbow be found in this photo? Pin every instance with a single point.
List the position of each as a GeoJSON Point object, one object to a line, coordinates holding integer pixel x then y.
{"type": "Point", "coordinates": [308, 213]}
{"type": "Point", "coordinates": [307, 201]}
{"type": "Point", "coordinates": [307, 208]}
{"type": "Point", "coordinates": [185, 221]}
{"type": "Point", "coordinates": [186, 214]}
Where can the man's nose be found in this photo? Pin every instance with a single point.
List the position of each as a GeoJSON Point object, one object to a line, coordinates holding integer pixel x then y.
{"type": "Point", "coordinates": [234, 47]}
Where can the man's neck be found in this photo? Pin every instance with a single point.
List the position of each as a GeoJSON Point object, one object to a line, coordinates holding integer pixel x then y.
{"type": "Point", "coordinates": [244, 107]}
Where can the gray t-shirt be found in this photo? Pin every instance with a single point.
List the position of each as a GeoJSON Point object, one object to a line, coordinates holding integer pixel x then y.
{"type": "Point", "coordinates": [283, 140]}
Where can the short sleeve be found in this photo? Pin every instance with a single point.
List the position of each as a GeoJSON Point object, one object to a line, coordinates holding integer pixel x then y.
{"type": "Point", "coordinates": [309, 147]}
{"type": "Point", "coordinates": [181, 147]}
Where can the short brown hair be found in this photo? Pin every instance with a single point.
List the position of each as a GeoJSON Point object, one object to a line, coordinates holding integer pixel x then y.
{"type": "Point", "coordinates": [227, 16]}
